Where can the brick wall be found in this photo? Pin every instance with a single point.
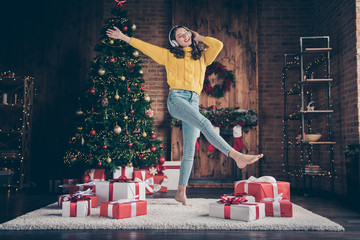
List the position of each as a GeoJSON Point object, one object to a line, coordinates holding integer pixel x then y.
{"type": "Point", "coordinates": [153, 20]}
{"type": "Point", "coordinates": [280, 24]}
{"type": "Point", "coordinates": [337, 19]}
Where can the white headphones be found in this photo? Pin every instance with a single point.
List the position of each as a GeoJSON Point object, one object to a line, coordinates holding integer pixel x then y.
{"type": "Point", "coordinates": [173, 42]}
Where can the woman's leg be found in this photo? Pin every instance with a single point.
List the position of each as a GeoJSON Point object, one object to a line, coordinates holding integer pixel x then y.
{"type": "Point", "coordinates": [180, 108]}
{"type": "Point", "coordinates": [190, 135]}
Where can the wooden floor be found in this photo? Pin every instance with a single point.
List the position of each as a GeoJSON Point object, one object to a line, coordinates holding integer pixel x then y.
{"type": "Point", "coordinates": [336, 208]}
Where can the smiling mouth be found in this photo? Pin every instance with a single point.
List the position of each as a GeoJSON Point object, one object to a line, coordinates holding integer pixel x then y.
{"type": "Point", "coordinates": [187, 40]}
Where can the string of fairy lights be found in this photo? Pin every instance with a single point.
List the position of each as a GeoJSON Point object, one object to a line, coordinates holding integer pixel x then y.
{"type": "Point", "coordinates": [13, 155]}
{"type": "Point", "coordinates": [293, 63]}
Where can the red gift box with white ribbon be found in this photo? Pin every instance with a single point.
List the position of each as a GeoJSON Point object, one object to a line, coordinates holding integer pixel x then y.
{"type": "Point", "coordinates": [277, 207]}
{"type": "Point", "coordinates": [147, 178]}
{"type": "Point", "coordinates": [263, 187]}
{"type": "Point", "coordinates": [160, 183]}
{"type": "Point", "coordinates": [115, 190]}
{"type": "Point", "coordinates": [237, 208]}
{"type": "Point", "coordinates": [96, 174]}
{"type": "Point", "coordinates": [70, 181]}
{"type": "Point", "coordinates": [76, 208]}
{"type": "Point", "coordinates": [125, 208]}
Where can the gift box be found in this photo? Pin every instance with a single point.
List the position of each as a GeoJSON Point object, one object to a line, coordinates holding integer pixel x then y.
{"type": "Point", "coordinates": [124, 172]}
{"type": "Point", "coordinates": [111, 191]}
{"type": "Point", "coordinates": [123, 208]}
{"type": "Point", "coordinates": [54, 186]}
{"type": "Point", "coordinates": [81, 187]}
{"type": "Point", "coordinates": [263, 187]}
{"type": "Point", "coordinates": [96, 174]}
{"type": "Point", "coordinates": [172, 171]}
{"type": "Point", "coordinates": [276, 207]}
{"type": "Point", "coordinates": [147, 178]}
{"type": "Point", "coordinates": [160, 183]}
{"type": "Point", "coordinates": [94, 200]}
{"type": "Point", "coordinates": [70, 181]}
{"type": "Point", "coordinates": [243, 211]}
{"type": "Point", "coordinates": [80, 208]}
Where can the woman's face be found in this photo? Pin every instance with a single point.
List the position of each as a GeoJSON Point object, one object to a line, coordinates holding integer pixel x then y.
{"type": "Point", "coordinates": [183, 37]}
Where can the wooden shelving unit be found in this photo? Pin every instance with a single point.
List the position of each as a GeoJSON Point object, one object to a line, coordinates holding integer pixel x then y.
{"type": "Point", "coordinates": [16, 104]}
{"type": "Point", "coordinates": [312, 71]}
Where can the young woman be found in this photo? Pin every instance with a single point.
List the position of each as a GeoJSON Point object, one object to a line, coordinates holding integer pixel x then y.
{"type": "Point", "coordinates": [185, 65]}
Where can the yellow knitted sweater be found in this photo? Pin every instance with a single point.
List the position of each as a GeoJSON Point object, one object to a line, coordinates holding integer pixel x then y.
{"type": "Point", "coordinates": [182, 73]}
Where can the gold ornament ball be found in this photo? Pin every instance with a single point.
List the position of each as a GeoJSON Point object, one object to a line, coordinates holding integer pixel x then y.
{"type": "Point", "coordinates": [117, 97]}
{"type": "Point", "coordinates": [133, 27]}
{"type": "Point", "coordinates": [136, 53]}
{"type": "Point", "coordinates": [117, 129]}
{"type": "Point", "coordinates": [141, 72]}
{"type": "Point", "coordinates": [108, 160]}
{"type": "Point", "coordinates": [126, 118]}
{"type": "Point", "coordinates": [144, 134]}
{"type": "Point", "coordinates": [111, 42]}
{"type": "Point", "coordinates": [122, 78]}
{"type": "Point", "coordinates": [147, 98]}
{"type": "Point", "coordinates": [101, 71]}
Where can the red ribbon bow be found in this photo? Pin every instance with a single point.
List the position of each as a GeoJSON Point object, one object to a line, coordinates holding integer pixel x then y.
{"type": "Point", "coordinates": [160, 169]}
{"type": "Point", "coordinates": [230, 199]}
{"type": "Point", "coordinates": [78, 197]}
{"type": "Point", "coordinates": [120, 3]}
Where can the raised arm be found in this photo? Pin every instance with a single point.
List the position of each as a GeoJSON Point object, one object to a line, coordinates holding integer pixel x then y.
{"type": "Point", "coordinates": [214, 45]}
{"type": "Point", "coordinates": [158, 54]}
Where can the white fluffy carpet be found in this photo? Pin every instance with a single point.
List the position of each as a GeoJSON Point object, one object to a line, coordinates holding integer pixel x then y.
{"type": "Point", "coordinates": [168, 214]}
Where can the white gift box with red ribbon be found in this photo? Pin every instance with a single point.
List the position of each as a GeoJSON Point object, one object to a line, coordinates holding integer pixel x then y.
{"type": "Point", "coordinates": [111, 191]}
{"type": "Point", "coordinates": [124, 171]}
{"type": "Point", "coordinates": [243, 212]}
{"type": "Point", "coordinates": [172, 171]}
{"type": "Point", "coordinates": [80, 208]}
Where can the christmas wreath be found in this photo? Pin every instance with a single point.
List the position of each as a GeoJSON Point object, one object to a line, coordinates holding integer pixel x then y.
{"type": "Point", "coordinates": [218, 90]}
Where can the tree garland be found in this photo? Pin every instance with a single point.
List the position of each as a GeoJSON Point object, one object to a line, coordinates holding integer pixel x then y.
{"type": "Point", "coordinates": [218, 91]}
{"type": "Point", "coordinates": [226, 118]}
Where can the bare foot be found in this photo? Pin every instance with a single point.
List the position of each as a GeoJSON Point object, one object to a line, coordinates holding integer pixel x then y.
{"type": "Point", "coordinates": [243, 159]}
{"type": "Point", "coordinates": [180, 196]}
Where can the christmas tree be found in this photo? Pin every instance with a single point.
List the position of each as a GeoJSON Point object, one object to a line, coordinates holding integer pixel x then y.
{"type": "Point", "coordinates": [114, 123]}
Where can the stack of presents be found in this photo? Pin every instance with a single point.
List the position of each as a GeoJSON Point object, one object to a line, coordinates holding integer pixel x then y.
{"type": "Point", "coordinates": [124, 196]}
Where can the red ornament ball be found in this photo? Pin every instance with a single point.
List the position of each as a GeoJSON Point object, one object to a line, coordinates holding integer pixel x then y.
{"type": "Point", "coordinates": [93, 132]}
{"type": "Point", "coordinates": [161, 160]}
{"type": "Point", "coordinates": [132, 111]}
{"type": "Point", "coordinates": [153, 136]}
{"type": "Point", "coordinates": [99, 164]}
{"type": "Point", "coordinates": [92, 91]}
{"type": "Point", "coordinates": [86, 179]}
{"type": "Point", "coordinates": [125, 28]}
{"type": "Point", "coordinates": [153, 149]}
{"type": "Point", "coordinates": [130, 144]}
{"type": "Point", "coordinates": [104, 147]}
{"type": "Point", "coordinates": [112, 60]}
{"type": "Point", "coordinates": [141, 156]}
{"type": "Point", "coordinates": [70, 142]}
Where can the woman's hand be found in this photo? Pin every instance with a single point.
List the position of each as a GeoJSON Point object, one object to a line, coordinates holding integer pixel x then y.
{"type": "Point", "coordinates": [117, 34]}
{"type": "Point", "coordinates": [197, 37]}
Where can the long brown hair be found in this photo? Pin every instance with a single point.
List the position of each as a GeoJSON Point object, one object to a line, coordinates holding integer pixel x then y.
{"type": "Point", "coordinates": [179, 51]}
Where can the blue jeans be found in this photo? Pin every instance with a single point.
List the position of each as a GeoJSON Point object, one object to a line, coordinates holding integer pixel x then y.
{"type": "Point", "coordinates": [184, 105]}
